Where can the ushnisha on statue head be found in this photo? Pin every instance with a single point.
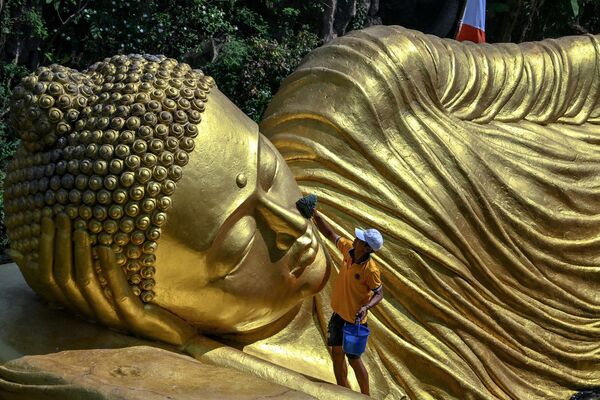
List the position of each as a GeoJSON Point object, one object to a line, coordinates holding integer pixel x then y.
{"type": "Point", "coordinates": [120, 148]}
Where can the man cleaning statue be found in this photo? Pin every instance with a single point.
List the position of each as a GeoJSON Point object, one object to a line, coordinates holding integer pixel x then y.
{"type": "Point", "coordinates": [357, 289]}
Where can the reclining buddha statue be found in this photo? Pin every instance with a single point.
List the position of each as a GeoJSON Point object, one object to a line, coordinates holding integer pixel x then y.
{"type": "Point", "coordinates": [143, 199]}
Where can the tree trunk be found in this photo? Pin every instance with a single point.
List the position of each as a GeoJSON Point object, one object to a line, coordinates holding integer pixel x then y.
{"type": "Point", "coordinates": [506, 22]}
{"type": "Point", "coordinates": [536, 6]}
{"type": "Point", "coordinates": [373, 17]}
{"type": "Point", "coordinates": [328, 17]}
{"type": "Point", "coordinates": [337, 16]}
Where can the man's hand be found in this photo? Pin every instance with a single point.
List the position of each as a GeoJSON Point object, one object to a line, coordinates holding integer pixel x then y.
{"type": "Point", "coordinates": [361, 313]}
{"type": "Point", "coordinates": [377, 297]}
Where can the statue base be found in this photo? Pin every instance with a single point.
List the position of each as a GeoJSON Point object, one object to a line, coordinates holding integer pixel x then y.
{"type": "Point", "coordinates": [132, 373]}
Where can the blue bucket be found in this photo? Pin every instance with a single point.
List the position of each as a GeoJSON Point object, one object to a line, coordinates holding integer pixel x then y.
{"type": "Point", "coordinates": [355, 339]}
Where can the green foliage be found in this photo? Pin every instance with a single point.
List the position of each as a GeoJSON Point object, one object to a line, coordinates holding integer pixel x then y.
{"type": "Point", "coordinates": [556, 21]}
{"type": "Point", "coordinates": [254, 67]}
{"type": "Point", "coordinates": [33, 18]}
{"type": "Point", "coordinates": [498, 7]}
{"type": "Point", "coordinates": [526, 20]}
{"type": "Point", "coordinates": [575, 7]}
{"type": "Point", "coordinates": [360, 19]}
{"type": "Point", "coordinates": [9, 73]}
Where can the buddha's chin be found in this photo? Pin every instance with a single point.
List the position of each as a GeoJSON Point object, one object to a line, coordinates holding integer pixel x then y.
{"type": "Point", "coordinates": [256, 321]}
{"type": "Point", "coordinates": [312, 280]}
{"type": "Point", "coordinates": [270, 321]}
{"type": "Point", "coordinates": [239, 303]}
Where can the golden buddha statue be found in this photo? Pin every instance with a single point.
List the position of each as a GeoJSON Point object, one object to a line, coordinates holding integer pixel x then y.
{"type": "Point", "coordinates": [111, 175]}
{"type": "Point", "coordinates": [476, 163]}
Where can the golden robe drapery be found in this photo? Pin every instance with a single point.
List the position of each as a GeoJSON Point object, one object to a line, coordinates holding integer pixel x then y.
{"type": "Point", "coordinates": [480, 164]}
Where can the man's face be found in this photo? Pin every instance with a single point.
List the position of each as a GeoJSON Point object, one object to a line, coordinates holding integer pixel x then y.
{"type": "Point", "coordinates": [361, 247]}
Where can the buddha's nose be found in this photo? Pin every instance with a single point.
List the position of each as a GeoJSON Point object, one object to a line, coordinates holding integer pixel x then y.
{"type": "Point", "coordinates": [287, 225]}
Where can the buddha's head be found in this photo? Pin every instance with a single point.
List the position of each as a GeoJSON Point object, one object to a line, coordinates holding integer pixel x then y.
{"type": "Point", "coordinates": [136, 140]}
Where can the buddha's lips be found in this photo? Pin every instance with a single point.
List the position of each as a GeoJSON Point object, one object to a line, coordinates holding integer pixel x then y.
{"type": "Point", "coordinates": [306, 259]}
{"type": "Point", "coordinates": [308, 253]}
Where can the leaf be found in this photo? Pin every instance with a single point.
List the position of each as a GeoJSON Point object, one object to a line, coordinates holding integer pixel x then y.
{"type": "Point", "coordinates": [499, 7]}
{"type": "Point", "coordinates": [575, 7]}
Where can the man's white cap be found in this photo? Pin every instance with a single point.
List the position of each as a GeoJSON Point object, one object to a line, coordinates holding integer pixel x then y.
{"type": "Point", "coordinates": [371, 236]}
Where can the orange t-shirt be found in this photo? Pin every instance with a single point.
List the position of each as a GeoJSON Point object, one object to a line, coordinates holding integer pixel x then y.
{"type": "Point", "coordinates": [354, 285]}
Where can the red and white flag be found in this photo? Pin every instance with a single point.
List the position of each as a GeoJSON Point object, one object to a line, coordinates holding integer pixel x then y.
{"type": "Point", "coordinates": [472, 26]}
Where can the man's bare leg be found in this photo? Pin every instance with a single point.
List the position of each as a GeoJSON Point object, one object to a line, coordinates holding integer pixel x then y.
{"type": "Point", "coordinates": [361, 373]}
{"type": "Point", "coordinates": [340, 369]}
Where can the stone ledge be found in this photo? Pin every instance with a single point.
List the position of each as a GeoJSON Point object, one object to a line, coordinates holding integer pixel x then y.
{"type": "Point", "coordinates": [133, 373]}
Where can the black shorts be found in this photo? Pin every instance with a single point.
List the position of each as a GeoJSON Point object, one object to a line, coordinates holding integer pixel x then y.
{"type": "Point", "coordinates": [335, 331]}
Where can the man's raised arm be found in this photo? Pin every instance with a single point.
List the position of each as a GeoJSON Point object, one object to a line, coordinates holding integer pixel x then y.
{"type": "Point", "coordinates": [325, 228]}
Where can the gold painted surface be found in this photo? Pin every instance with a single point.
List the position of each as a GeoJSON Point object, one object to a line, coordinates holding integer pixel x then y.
{"type": "Point", "coordinates": [480, 166]}
{"type": "Point", "coordinates": [133, 373]}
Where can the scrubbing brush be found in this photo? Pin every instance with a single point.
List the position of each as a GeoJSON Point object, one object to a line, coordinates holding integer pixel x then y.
{"type": "Point", "coordinates": [307, 205]}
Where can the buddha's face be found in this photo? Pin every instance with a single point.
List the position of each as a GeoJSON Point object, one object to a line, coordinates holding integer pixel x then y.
{"type": "Point", "coordinates": [235, 254]}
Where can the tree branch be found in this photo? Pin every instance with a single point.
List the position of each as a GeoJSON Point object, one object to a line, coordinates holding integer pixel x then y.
{"type": "Point", "coordinates": [60, 28]}
{"type": "Point", "coordinates": [578, 28]}
{"type": "Point", "coordinates": [537, 6]}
